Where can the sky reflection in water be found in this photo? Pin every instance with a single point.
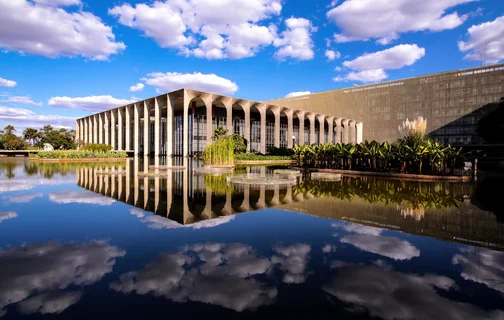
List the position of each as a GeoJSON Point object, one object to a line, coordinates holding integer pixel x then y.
{"type": "Point", "coordinates": [76, 242]}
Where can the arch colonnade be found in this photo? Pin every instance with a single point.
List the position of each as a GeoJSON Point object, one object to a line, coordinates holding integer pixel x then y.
{"type": "Point", "coordinates": [181, 122]}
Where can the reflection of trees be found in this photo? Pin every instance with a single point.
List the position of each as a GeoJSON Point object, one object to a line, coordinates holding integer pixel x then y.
{"type": "Point", "coordinates": [7, 168]}
{"type": "Point", "coordinates": [217, 183]}
{"type": "Point", "coordinates": [37, 276]}
{"type": "Point", "coordinates": [412, 194]}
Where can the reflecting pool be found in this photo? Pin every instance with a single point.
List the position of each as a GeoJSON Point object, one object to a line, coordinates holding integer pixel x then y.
{"type": "Point", "coordinates": [83, 241]}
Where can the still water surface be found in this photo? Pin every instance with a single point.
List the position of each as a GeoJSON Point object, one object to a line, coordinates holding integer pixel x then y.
{"type": "Point", "coordinates": [81, 241]}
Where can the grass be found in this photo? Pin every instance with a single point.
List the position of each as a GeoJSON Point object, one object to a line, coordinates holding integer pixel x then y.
{"type": "Point", "coordinates": [74, 154]}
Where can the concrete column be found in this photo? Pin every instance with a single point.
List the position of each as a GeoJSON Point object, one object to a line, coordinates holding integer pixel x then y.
{"type": "Point", "coordinates": [337, 122]}
{"type": "Point", "coordinates": [136, 187]}
{"type": "Point", "coordinates": [128, 179]}
{"type": "Point", "coordinates": [90, 129]}
{"type": "Point", "coordinates": [246, 108]}
{"type": "Point", "coordinates": [276, 139]}
{"type": "Point", "coordinates": [351, 131]}
{"type": "Point", "coordinates": [185, 123]}
{"type": "Point", "coordinates": [290, 130]}
{"type": "Point", "coordinates": [170, 104]}
{"type": "Point", "coordinates": [107, 127]}
{"type": "Point", "coordinates": [229, 116]}
{"type": "Point", "coordinates": [146, 124]}
{"type": "Point", "coordinates": [209, 125]}
{"type": "Point", "coordinates": [136, 131]}
{"type": "Point", "coordinates": [301, 117]}
{"type": "Point", "coordinates": [262, 112]}
{"type": "Point", "coordinates": [344, 128]}
{"type": "Point", "coordinates": [311, 117]}
{"type": "Point", "coordinates": [95, 128]}
{"type": "Point", "coordinates": [113, 129]}
{"type": "Point", "coordinates": [321, 120]}
{"type": "Point", "coordinates": [245, 206]}
{"type": "Point", "coordinates": [330, 130]}
{"type": "Point", "coordinates": [100, 128]}
{"type": "Point", "coordinates": [120, 125]}
{"type": "Point", "coordinates": [157, 127]}
{"type": "Point", "coordinates": [359, 132]}
{"type": "Point", "coordinates": [84, 132]}
{"type": "Point", "coordinates": [128, 128]}
{"type": "Point", "coordinates": [77, 132]}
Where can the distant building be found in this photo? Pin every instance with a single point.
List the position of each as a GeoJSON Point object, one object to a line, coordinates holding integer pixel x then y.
{"type": "Point", "coordinates": [452, 102]}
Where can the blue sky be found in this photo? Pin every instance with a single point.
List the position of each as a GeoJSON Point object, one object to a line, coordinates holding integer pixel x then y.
{"type": "Point", "coordinates": [62, 59]}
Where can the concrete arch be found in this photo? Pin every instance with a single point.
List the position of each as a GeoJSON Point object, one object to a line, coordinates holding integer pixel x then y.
{"type": "Point", "coordinates": [300, 115]}
{"type": "Point", "coordinates": [257, 116]}
{"type": "Point", "coordinates": [344, 130]}
{"type": "Point", "coordinates": [351, 131]}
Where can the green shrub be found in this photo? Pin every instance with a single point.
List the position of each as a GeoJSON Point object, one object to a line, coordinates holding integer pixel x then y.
{"type": "Point", "coordinates": [260, 156]}
{"type": "Point", "coordinates": [71, 154]}
{"type": "Point", "coordinates": [220, 152]}
{"type": "Point", "coordinates": [97, 147]}
{"type": "Point", "coordinates": [31, 148]}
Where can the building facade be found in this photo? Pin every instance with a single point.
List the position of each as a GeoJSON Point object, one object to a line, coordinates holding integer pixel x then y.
{"type": "Point", "coordinates": [183, 121]}
{"type": "Point", "coordinates": [452, 102]}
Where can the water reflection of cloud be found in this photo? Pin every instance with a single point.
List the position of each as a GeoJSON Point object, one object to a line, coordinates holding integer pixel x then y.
{"type": "Point", "coordinates": [23, 199]}
{"type": "Point", "coordinates": [82, 197]}
{"type": "Point", "coordinates": [394, 295]}
{"type": "Point", "coordinates": [158, 222]}
{"type": "Point", "coordinates": [213, 273]}
{"type": "Point", "coordinates": [28, 184]}
{"type": "Point", "coordinates": [483, 266]}
{"type": "Point", "coordinates": [292, 260]}
{"type": "Point", "coordinates": [44, 268]}
{"type": "Point", "coordinates": [370, 239]}
{"type": "Point", "coordinates": [7, 215]}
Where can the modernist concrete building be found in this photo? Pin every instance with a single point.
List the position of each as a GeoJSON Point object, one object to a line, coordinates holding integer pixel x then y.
{"type": "Point", "coordinates": [181, 122]}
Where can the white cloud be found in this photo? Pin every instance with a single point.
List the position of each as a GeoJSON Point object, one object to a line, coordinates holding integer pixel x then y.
{"type": "Point", "coordinates": [57, 3]}
{"type": "Point", "coordinates": [20, 184]}
{"type": "Point", "coordinates": [486, 41]}
{"type": "Point", "coordinates": [158, 222]}
{"type": "Point", "coordinates": [171, 81]}
{"type": "Point", "coordinates": [293, 260]}
{"type": "Point", "coordinates": [193, 28]}
{"type": "Point", "coordinates": [338, 69]}
{"type": "Point", "coordinates": [363, 76]}
{"type": "Point", "coordinates": [381, 293]}
{"type": "Point", "coordinates": [25, 118]}
{"type": "Point", "coordinates": [370, 67]}
{"type": "Point", "coordinates": [21, 100]}
{"type": "Point", "coordinates": [332, 55]}
{"type": "Point", "coordinates": [390, 247]}
{"type": "Point", "coordinates": [137, 87]}
{"type": "Point", "coordinates": [23, 199]}
{"type": "Point", "coordinates": [52, 31]}
{"type": "Point", "coordinates": [483, 266]}
{"type": "Point", "coordinates": [385, 20]}
{"type": "Point", "coordinates": [90, 103]}
{"type": "Point", "coordinates": [296, 42]}
{"type": "Point", "coordinates": [7, 83]}
{"type": "Point", "coordinates": [225, 275]}
{"type": "Point", "coordinates": [296, 94]}
{"type": "Point", "coordinates": [51, 266]}
{"type": "Point", "coordinates": [85, 196]}
{"type": "Point", "coordinates": [7, 215]}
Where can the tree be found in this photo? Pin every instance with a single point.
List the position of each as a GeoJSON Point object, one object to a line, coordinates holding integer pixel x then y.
{"type": "Point", "coordinates": [31, 135]}
{"type": "Point", "coordinates": [9, 130]}
{"type": "Point", "coordinates": [491, 126]}
{"type": "Point", "coordinates": [219, 132]}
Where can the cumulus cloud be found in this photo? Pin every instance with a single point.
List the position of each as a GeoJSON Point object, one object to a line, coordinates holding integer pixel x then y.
{"type": "Point", "coordinates": [192, 28]}
{"type": "Point", "coordinates": [21, 100]}
{"type": "Point", "coordinates": [332, 55]}
{"type": "Point", "coordinates": [292, 260]}
{"type": "Point", "coordinates": [46, 28]}
{"type": "Point", "coordinates": [381, 293]}
{"type": "Point", "coordinates": [7, 215]}
{"type": "Point", "coordinates": [296, 41]}
{"type": "Point", "coordinates": [90, 103]}
{"type": "Point", "coordinates": [27, 118]}
{"type": "Point", "coordinates": [46, 267]}
{"type": "Point", "coordinates": [21, 184]}
{"type": "Point", "coordinates": [84, 196]}
{"type": "Point", "coordinates": [483, 266]}
{"type": "Point", "coordinates": [137, 87]}
{"type": "Point", "coordinates": [171, 81]}
{"type": "Point", "coordinates": [158, 222]}
{"type": "Point", "coordinates": [7, 83]}
{"type": "Point", "coordinates": [214, 273]}
{"type": "Point", "coordinates": [385, 20]}
{"type": "Point", "coordinates": [297, 93]}
{"type": "Point", "coordinates": [371, 67]}
{"type": "Point", "coordinates": [485, 41]}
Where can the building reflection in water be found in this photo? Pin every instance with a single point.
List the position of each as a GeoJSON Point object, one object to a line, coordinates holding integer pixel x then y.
{"type": "Point", "coordinates": [438, 210]}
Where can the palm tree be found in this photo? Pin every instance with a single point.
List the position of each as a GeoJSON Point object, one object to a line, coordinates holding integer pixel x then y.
{"type": "Point", "coordinates": [9, 129]}
{"type": "Point", "coordinates": [30, 134]}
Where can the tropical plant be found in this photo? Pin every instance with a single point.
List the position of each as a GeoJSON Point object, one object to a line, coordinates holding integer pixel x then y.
{"type": "Point", "coordinates": [219, 152]}
{"type": "Point", "coordinates": [31, 135]}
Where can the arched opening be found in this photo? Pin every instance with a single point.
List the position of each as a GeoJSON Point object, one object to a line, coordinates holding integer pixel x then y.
{"type": "Point", "coordinates": [238, 119]}
{"type": "Point", "coordinates": [219, 115]}
{"type": "Point", "coordinates": [307, 128]}
{"type": "Point", "coordinates": [270, 129]}
{"type": "Point", "coordinates": [318, 127]}
{"type": "Point", "coordinates": [283, 130]}
{"type": "Point", "coordinates": [255, 129]}
{"type": "Point", "coordinates": [326, 130]}
{"type": "Point", "coordinates": [295, 128]}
